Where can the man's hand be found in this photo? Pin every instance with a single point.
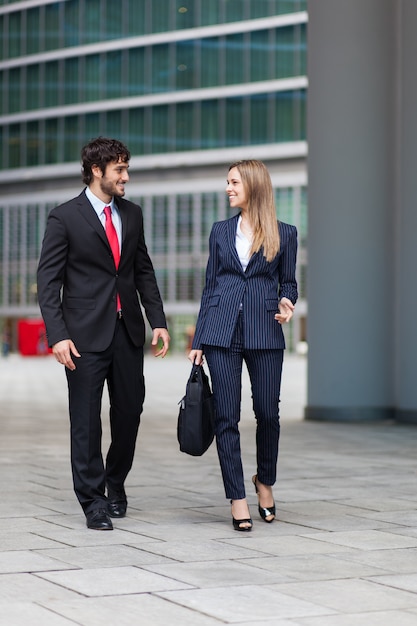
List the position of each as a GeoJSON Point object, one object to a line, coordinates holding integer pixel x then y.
{"type": "Point", "coordinates": [196, 356]}
{"type": "Point", "coordinates": [286, 309]}
{"type": "Point", "coordinates": [163, 335]}
{"type": "Point", "coordinates": [63, 351]}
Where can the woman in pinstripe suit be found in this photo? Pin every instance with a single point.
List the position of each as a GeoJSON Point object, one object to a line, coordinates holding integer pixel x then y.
{"type": "Point", "coordinates": [250, 292]}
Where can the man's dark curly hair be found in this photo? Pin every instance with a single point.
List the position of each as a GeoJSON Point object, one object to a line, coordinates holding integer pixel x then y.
{"type": "Point", "coordinates": [100, 152]}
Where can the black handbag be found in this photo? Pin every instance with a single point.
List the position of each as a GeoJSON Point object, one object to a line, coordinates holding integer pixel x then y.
{"type": "Point", "coordinates": [195, 429]}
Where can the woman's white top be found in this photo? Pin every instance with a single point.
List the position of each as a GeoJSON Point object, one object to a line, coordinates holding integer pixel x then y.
{"type": "Point", "coordinates": [243, 246]}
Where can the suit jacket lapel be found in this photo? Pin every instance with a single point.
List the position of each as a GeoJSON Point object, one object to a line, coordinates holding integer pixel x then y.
{"type": "Point", "coordinates": [231, 239]}
{"type": "Point", "coordinates": [88, 213]}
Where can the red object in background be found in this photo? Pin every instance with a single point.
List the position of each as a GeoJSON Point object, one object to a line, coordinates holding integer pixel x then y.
{"type": "Point", "coordinates": [32, 338]}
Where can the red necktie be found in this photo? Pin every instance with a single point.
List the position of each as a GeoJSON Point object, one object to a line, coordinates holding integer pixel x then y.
{"type": "Point", "coordinates": [114, 243]}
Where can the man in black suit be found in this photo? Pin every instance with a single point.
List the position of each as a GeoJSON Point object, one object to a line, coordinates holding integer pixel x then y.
{"type": "Point", "coordinates": [93, 266]}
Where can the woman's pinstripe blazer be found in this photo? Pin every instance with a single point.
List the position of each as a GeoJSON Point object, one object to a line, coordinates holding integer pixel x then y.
{"type": "Point", "coordinates": [258, 290]}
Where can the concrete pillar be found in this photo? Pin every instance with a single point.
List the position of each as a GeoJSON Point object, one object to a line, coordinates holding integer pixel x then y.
{"type": "Point", "coordinates": [351, 246]}
{"type": "Point", "coordinates": [406, 221]}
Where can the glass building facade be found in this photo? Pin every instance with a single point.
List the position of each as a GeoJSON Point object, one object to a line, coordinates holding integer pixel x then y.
{"type": "Point", "coordinates": [188, 85]}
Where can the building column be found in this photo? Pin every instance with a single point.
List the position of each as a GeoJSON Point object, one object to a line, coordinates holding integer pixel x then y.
{"type": "Point", "coordinates": [351, 135]}
{"type": "Point", "coordinates": [406, 222]}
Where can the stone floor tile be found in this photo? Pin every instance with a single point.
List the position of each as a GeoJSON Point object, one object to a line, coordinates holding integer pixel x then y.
{"type": "Point", "coordinates": [406, 582]}
{"type": "Point", "coordinates": [30, 588]}
{"type": "Point", "coordinates": [27, 561]}
{"type": "Point", "coordinates": [96, 557]}
{"type": "Point", "coordinates": [366, 540]}
{"type": "Point", "coordinates": [314, 567]}
{"type": "Point", "coordinates": [245, 604]}
{"type": "Point", "coordinates": [117, 581]}
{"type": "Point", "coordinates": [290, 545]}
{"type": "Point", "coordinates": [199, 550]}
{"type": "Point", "coordinates": [208, 574]}
{"type": "Point", "coordinates": [28, 614]}
{"type": "Point", "coordinates": [374, 618]}
{"type": "Point", "coordinates": [401, 561]}
{"type": "Point", "coordinates": [139, 609]}
{"type": "Point", "coordinates": [349, 595]}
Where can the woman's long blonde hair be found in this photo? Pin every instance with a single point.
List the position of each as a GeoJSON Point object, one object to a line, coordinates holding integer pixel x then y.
{"type": "Point", "coordinates": [261, 206]}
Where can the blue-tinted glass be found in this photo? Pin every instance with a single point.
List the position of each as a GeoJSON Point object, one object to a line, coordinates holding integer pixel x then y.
{"type": "Point", "coordinates": [260, 55]}
{"type": "Point", "coordinates": [14, 146]}
{"type": "Point", "coordinates": [234, 121]}
{"type": "Point", "coordinates": [72, 142]}
{"type": "Point", "coordinates": [93, 126]}
{"type": "Point", "coordinates": [114, 19]}
{"type": "Point", "coordinates": [2, 92]}
{"type": "Point", "coordinates": [71, 83]}
{"type": "Point", "coordinates": [51, 87]}
{"type": "Point", "coordinates": [185, 126]}
{"type": "Point", "coordinates": [135, 14]}
{"type": "Point", "coordinates": [210, 61]}
{"type": "Point", "coordinates": [93, 77]}
{"type": "Point", "coordinates": [161, 15]}
{"type": "Point", "coordinates": [136, 131]}
{"type": "Point", "coordinates": [51, 141]}
{"type": "Point", "coordinates": [33, 143]}
{"type": "Point", "coordinates": [160, 130]}
{"type": "Point", "coordinates": [184, 14]}
{"type": "Point", "coordinates": [32, 31]}
{"type": "Point", "coordinates": [186, 70]}
{"type": "Point", "coordinates": [163, 68]}
{"type": "Point", "coordinates": [14, 36]}
{"type": "Point", "coordinates": [92, 21]}
{"type": "Point", "coordinates": [71, 23]}
{"type": "Point", "coordinates": [113, 75]}
{"type": "Point", "coordinates": [260, 130]}
{"type": "Point", "coordinates": [236, 54]}
{"type": "Point", "coordinates": [210, 12]}
{"type": "Point", "coordinates": [210, 125]}
{"type": "Point", "coordinates": [113, 126]}
{"type": "Point", "coordinates": [14, 91]}
{"type": "Point", "coordinates": [33, 86]}
{"type": "Point", "coordinates": [136, 71]}
{"type": "Point", "coordinates": [52, 26]}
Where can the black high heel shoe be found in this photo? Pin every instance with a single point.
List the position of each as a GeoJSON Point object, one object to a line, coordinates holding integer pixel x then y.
{"type": "Point", "coordinates": [237, 523]}
{"type": "Point", "coordinates": [263, 511]}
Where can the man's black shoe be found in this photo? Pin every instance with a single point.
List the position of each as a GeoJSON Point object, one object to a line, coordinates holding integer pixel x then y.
{"type": "Point", "coordinates": [99, 520]}
{"type": "Point", "coordinates": [116, 508]}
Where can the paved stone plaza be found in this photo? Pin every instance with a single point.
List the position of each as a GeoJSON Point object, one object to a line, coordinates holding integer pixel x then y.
{"type": "Point", "coordinates": [342, 553]}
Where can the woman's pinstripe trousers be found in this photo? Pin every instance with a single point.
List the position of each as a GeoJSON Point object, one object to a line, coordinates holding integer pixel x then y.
{"type": "Point", "coordinates": [264, 367]}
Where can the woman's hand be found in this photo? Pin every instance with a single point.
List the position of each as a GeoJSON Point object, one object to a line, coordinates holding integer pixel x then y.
{"type": "Point", "coordinates": [197, 356]}
{"type": "Point", "coordinates": [286, 310]}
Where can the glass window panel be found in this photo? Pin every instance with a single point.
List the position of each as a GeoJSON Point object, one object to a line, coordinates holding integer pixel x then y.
{"type": "Point", "coordinates": [163, 68]}
{"type": "Point", "coordinates": [260, 55]}
{"type": "Point", "coordinates": [2, 36]}
{"type": "Point", "coordinates": [14, 36]}
{"type": "Point", "coordinates": [52, 29]}
{"type": "Point", "coordinates": [113, 75]}
{"type": "Point", "coordinates": [184, 285]}
{"type": "Point", "coordinates": [260, 8]}
{"type": "Point", "coordinates": [159, 224]}
{"type": "Point", "coordinates": [284, 49]}
{"type": "Point", "coordinates": [71, 23]}
{"type": "Point", "coordinates": [2, 164]}
{"type": "Point", "coordinates": [185, 61]}
{"type": "Point", "coordinates": [93, 127]}
{"type": "Point", "coordinates": [234, 121]}
{"type": "Point", "coordinates": [51, 87]}
{"type": "Point", "coordinates": [259, 127]}
{"type": "Point", "coordinates": [289, 6]}
{"type": "Point", "coordinates": [114, 19]}
{"type": "Point", "coordinates": [210, 12]}
{"type": "Point", "coordinates": [185, 139]}
{"type": "Point", "coordinates": [160, 130]}
{"type": "Point", "coordinates": [210, 61]}
{"type": "Point", "coordinates": [32, 31]}
{"type": "Point", "coordinates": [92, 81]}
{"type": "Point", "coordinates": [161, 10]}
{"type": "Point", "coordinates": [51, 141]}
{"type": "Point", "coordinates": [136, 72]}
{"type": "Point", "coordinates": [72, 140]}
{"type": "Point", "coordinates": [32, 86]}
{"type": "Point", "coordinates": [14, 146]}
{"type": "Point", "coordinates": [184, 223]}
{"type": "Point", "coordinates": [71, 80]}
{"type": "Point", "coordinates": [113, 126]}
{"type": "Point", "coordinates": [136, 131]}
{"type": "Point", "coordinates": [185, 10]}
{"type": "Point", "coordinates": [92, 21]}
{"type": "Point", "coordinates": [14, 91]}
{"type": "Point", "coordinates": [2, 94]}
{"type": "Point", "coordinates": [136, 24]}
{"type": "Point", "coordinates": [32, 143]}
{"type": "Point", "coordinates": [209, 215]}
{"type": "Point", "coordinates": [236, 10]}
{"type": "Point", "coordinates": [210, 124]}
{"type": "Point", "coordinates": [236, 48]}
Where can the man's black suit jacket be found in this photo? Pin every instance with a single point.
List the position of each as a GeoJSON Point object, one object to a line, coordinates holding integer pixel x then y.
{"type": "Point", "coordinates": [78, 280]}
